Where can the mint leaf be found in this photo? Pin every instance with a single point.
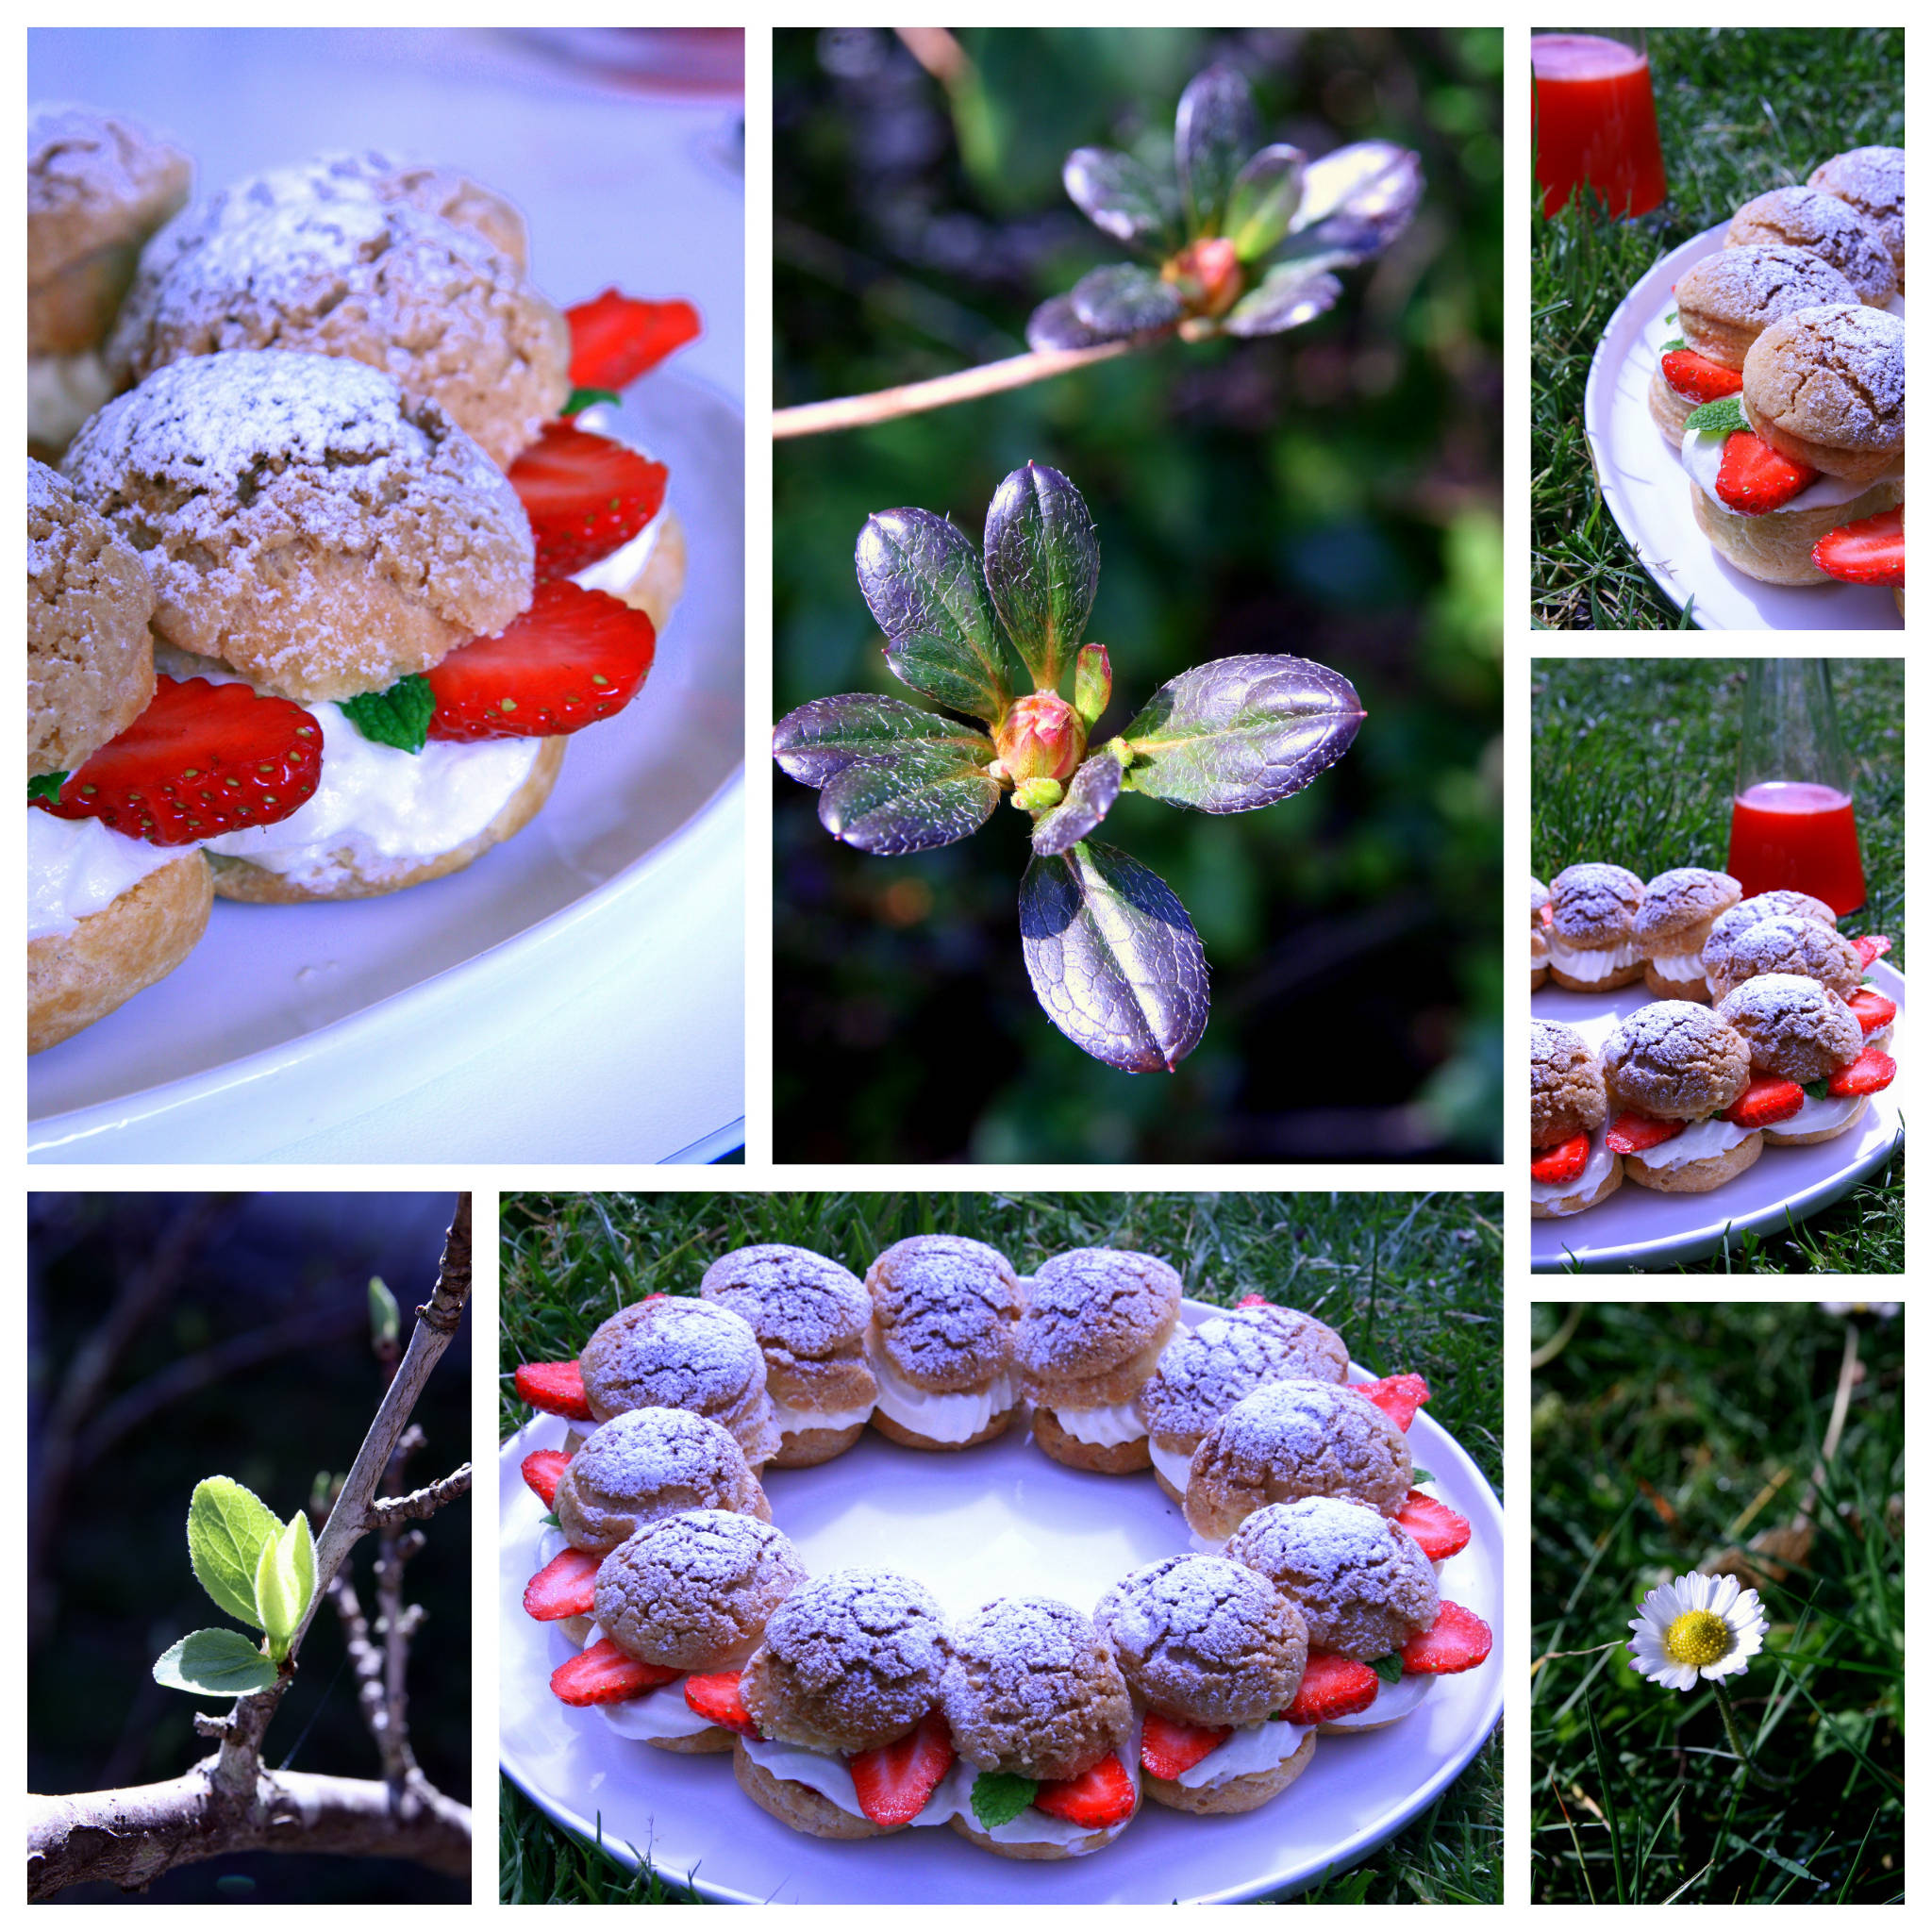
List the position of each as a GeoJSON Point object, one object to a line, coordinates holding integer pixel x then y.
{"type": "Point", "coordinates": [1387, 1668]}
{"type": "Point", "coordinates": [214, 1663]}
{"type": "Point", "coordinates": [398, 716]}
{"type": "Point", "coordinates": [580, 399]}
{"type": "Point", "coordinates": [47, 786]}
{"type": "Point", "coordinates": [1675, 343]}
{"type": "Point", "coordinates": [227, 1529]}
{"type": "Point", "coordinates": [1000, 1796]}
{"type": "Point", "coordinates": [1726, 414]}
{"type": "Point", "coordinates": [1418, 1477]}
{"type": "Point", "coordinates": [1820, 1088]}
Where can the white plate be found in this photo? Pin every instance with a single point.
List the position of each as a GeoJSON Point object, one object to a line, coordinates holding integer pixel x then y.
{"type": "Point", "coordinates": [1648, 493]}
{"type": "Point", "coordinates": [278, 991]}
{"type": "Point", "coordinates": [1638, 1227]}
{"type": "Point", "coordinates": [996, 1520]}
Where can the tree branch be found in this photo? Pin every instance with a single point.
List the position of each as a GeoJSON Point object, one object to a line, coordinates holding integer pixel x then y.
{"type": "Point", "coordinates": [388, 1510]}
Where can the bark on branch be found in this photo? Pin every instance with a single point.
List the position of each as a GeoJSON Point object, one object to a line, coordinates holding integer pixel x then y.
{"type": "Point", "coordinates": [386, 1512]}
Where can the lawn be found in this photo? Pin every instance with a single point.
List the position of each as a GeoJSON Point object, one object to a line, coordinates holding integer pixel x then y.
{"type": "Point", "coordinates": [1739, 110]}
{"type": "Point", "coordinates": [1634, 762]}
{"type": "Point", "coordinates": [1666, 1439]}
{"type": "Point", "coordinates": [1412, 1281]}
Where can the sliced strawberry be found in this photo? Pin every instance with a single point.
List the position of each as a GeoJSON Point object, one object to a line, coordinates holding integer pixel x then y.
{"type": "Point", "coordinates": [1871, 1073]}
{"type": "Point", "coordinates": [605, 1674]}
{"type": "Point", "coordinates": [1872, 946]}
{"type": "Point", "coordinates": [1562, 1162]}
{"type": "Point", "coordinates": [556, 1387]}
{"type": "Point", "coordinates": [1873, 1010]}
{"type": "Point", "coordinates": [1765, 1102]}
{"type": "Point", "coordinates": [714, 1695]}
{"type": "Point", "coordinates": [585, 496]}
{"type": "Point", "coordinates": [1099, 1798]}
{"type": "Point", "coordinates": [541, 1469]}
{"type": "Point", "coordinates": [1752, 477]}
{"type": "Point", "coordinates": [1253, 1301]}
{"type": "Point", "coordinates": [1169, 1746]}
{"type": "Point", "coordinates": [1635, 1133]}
{"type": "Point", "coordinates": [894, 1781]}
{"type": "Point", "coordinates": [572, 658]}
{"type": "Point", "coordinates": [1397, 1396]}
{"type": "Point", "coordinates": [1331, 1687]}
{"type": "Point", "coordinates": [1871, 551]}
{"type": "Point", "coordinates": [1434, 1525]}
{"type": "Point", "coordinates": [1459, 1640]}
{"type": "Point", "coordinates": [565, 1586]}
{"type": "Point", "coordinates": [614, 339]}
{"type": "Point", "coordinates": [1698, 377]}
{"type": "Point", "coordinates": [202, 759]}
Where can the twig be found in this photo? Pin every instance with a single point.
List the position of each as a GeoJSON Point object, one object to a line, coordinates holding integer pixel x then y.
{"type": "Point", "coordinates": [419, 1504]}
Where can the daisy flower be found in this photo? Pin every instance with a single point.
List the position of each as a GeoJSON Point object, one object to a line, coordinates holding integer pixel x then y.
{"type": "Point", "coordinates": [1698, 1626]}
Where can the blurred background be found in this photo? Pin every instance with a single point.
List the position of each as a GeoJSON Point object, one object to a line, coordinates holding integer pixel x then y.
{"type": "Point", "coordinates": [173, 1336]}
{"type": "Point", "coordinates": [1333, 492]}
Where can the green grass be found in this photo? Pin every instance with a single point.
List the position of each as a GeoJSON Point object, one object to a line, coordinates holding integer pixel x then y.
{"type": "Point", "coordinates": [1414, 1281]}
{"type": "Point", "coordinates": [1666, 1439]}
{"type": "Point", "coordinates": [1739, 110]}
{"type": "Point", "coordinates": [1634, 762]}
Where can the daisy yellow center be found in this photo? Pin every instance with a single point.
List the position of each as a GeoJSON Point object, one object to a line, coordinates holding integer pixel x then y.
{"type": "Point", "coordinates": [1698, 1638]}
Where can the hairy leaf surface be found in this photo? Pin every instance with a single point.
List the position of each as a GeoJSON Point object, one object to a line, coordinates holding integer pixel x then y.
{"type": "Point", "coordinates": [1291, 294]}
{"type": "Point", "coordinates": [227, 1527]}
{"type": "Point", "coordinates": [1043, 564]}
{"type": "Point", "coordinates": [1215, 131]}
{"type": "Point", "coordinates": [1124, 301]}
{"type": "Point", "coordinates": [818, 740]}
{"type": "Point", "coordinates": [1091, 794]}
{"type": "Point", "coordinates": [1055, 325]}
{"type": "Point", "coordinates": [214, 1663]}
{"type": "Point", "coordinates": [1122, 196]}
{"type": "Point", "coordinates": [1241, 732]}
{"type": "Point", "coordinates": [1355, 202]}
{"type": "Point", "coordinates": [1263, 200]}
{"type": "Point", "coordinates": [921, 578]}
{"type": "Point", "coordinates": [919, 799]}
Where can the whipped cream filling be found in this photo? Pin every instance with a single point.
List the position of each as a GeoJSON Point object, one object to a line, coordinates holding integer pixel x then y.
{"type": "Point", "coordinates": [618, 571]}
{"type": "Point", "coordinates": [1582, 962]}
{"type": "Point", "coordinates": [950, 1418]}
{"type": "Point", "coordinates": [1107, 1428]}
{"type": "Point", "coordinates": [62, 392]}
{"type": "Point", "coordinates": [1253, 1748]}
{"type": "Point", "coordinates": [1698, 1141]}
{"type": "Point", "coordinates": [1392, 1701]}
{"type": "Point", "coordinates": [1683, 967]}
{"type": "Point", "coordinates": [659, 1713]}
{"type": "Point", "coordinates": [1034, 1826]}
{"type": "Point", "coordinates": [1819, 1116]}
{"type": "Point", "coordinates": [1175, 1464]}
{"type": "Point", "coordinates": [1704, 457]}
{"type": "Point", "coordinates": [795, 1422]}
{"type": "Point", "coordinates": [830, 1776]}
{"type": "Point", "coordinates": [77, 867]}
{"type": "Point", "coordinates": [1597, 1168]}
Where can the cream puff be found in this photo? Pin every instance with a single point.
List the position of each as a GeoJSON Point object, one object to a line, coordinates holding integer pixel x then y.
{"type": "Point", "coordinates": [1539, 933]}
{"type": "Point", "coordinates": [1673, 1071]}
{"type": "Point", "coordinates": [1678, 910]}
{"type": "Point", "coordinates": [1813, 1069]}
{"type": "Point", "coordinates": [1779, 902]}
{"type": "Point", "coordinates": [645, 1463]}
{"type": "Point", "coordinates": [1822, 224]}
{"type": "Point", "coordinates": [1570, 1166]}
{"type": "Point", "coordinates": [1783, 943]}
{"type": "Point", "coordinates": [1872, 180]}
{"type": "Point", "coordinates": [1593, 928]}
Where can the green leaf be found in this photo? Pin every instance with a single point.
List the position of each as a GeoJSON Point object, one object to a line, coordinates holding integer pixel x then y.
{"type": "Point", "coordinates": [1124, 197]}
{"type": "Point", "coordinates": [581, 399]}
{"type": "Point", "coordinates": [1000, 1796]}
{"type": "Point", "coordinates": [47, 786]}
{"type": "Point", "coordinates": [285, 1580]}
{"type": "Point", "coordinates": [1241, 732]}
{"type": "Point", "coordinates": [227, 1527]}
{"type": "Point", "coordinates": [912, 802]}
{"type": "Point", "coordinates": [1263, 200]}
{"type": "Point", "coordinates": [1291, 294]}
{"type": "Point", "coordinates": [818, 740]}
{"type": "Point", "coordinates": [214, 1663]}
{"type": "Point", "coordinates": [1091, 794]}
{"type": "Point", "coordinates": [1355, 202]}
{"type": "Point", "coordinates": [921, 578]}
{"type": "Point", "coordinates": [385, 1318]}
{"type": "Point", "coordinates": [1042, 565]}
{"type": "Point", "coordinates": [1125, 300]}
{"type": "Point", "coordinates": [1718, 417]}
{"type": "Point", "coordinates": [1387, 1668]}
{"type": "Point", "coordinates": [1113, 959]}
{"type": "Point", "coordinates": [1215, 131]}
{"type": "Point", "coordinates": [1054, 325]}
{"type": "Point", "coordinates": [398, 717]}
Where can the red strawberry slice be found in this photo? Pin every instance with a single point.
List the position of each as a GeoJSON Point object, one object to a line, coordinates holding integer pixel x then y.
{"type": "Point", "coordinates": [894, 1781]}
{"type": "Point", "coordinates": [1765, 1102]}
{"type": "Point", "coordinates": [585, 496]}
{"type": "Point", "coordinates": [1871, 1073]}
{"type": "Point", "coordinates": [565, 1586]}
{"type": "Point", "coordinates": [572, 658]}
{"type": "Point", "coordinates": [202, 759]}
{"type": "Point", "coordinates": [1872, 946]}
{"type": "Point", "coordinates": [1873, 1010]}
{"type": "Point", "coordinates": [1635, 1133]}
{"type": "Point", "coordinates": [541, 1469]}
{"type": "Point", "coordinates": [1099, 1798]}
{"type": "Point", "coordinates": [1332, 1687]}
{"type": "Point", "coordinates": [556, 1387]}
{"type": "Point", "coordinates": [1752, 477]}
{"type": "Point", "coordinates": [1434, 1525]}
{"type": "Point", "coordinates": [1698, 377]}
{"type": "Point", "coordinates": [714, 1695]}
{"type": "Point", "coordinates": [1562, 1162]}
{"type": "Point", "coordinates": [1169, 1746]}
{"type": "Point", "coordinates": [1397, 1396]}
{"type": "Point", "coordinates": [605, 1674]}
{"type": "Point", "coordinates": [1871, 551]}
{"type": "Point", "coordinates": [1253, 1301]}
{"type": "Point", "coordinates": [1459, 1640]}
{"type": "Point", "coordinates": [614, 339]}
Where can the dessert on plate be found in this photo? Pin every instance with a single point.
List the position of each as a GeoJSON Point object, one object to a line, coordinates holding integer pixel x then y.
{"type": "Point", "coordinates": [1572, 1166]}
{"type": "Point", "coordinates": [1680, 908]}
{"type": "Point", "coordinates": [1814, 1067]}
{"type": "Point", "coordinates": [1675, 1075]}
{"type": "Point", "coordinates": [1593, 927]}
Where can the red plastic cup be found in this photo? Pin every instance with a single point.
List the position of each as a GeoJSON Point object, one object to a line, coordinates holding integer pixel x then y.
{"type": "Point", "coordinates": [1596, 120]}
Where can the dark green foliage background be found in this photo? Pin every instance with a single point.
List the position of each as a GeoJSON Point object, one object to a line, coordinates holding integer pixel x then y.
{"type": "Point", "coordinates": [1333, 492]}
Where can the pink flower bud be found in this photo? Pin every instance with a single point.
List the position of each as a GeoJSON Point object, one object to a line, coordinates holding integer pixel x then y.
{"type": "Point", "coordinates": [1206, 273]}
{"type": "Point", "coordinates": [1041, 737]}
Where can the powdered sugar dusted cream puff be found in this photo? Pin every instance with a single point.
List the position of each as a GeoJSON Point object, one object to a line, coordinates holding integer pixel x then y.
{"type": "Point", "coordinates": [1539, 933]}
{"type": "Point", "coordinates": [651, 1462]}
{"type": "Point", "coordinates": [1786, 944]}
{"type": "Point", "coordinates": [943, 1309]}
{"type": "Point", "coordinates": [1821, 225]}
{"type": "Point", "coordinates": [1673, 1071]}
{"type": "Point", "coordinates": [1872, 180]}
{"type": "Point", "coordinates": [1091, 1332]}
{"type": "Point", "coordinates": [1678, 910]}
{"type": "Point", "coordinates": [1747, 913]}
{"type": "Point", "coordinates": [810, 1317]}
{"type": "Point", "coordinates": [1814, 1071]}
{"type": "Point", "coordinates": [1570, 1166]}
{"type": "Point", "coordinates": [1593, 928]}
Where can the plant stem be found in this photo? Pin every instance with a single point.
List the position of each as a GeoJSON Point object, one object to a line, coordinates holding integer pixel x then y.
{"type": "Point", "coordinates": [964, 385]}
{"type": "Point", "coordinates": [1736, 1737]}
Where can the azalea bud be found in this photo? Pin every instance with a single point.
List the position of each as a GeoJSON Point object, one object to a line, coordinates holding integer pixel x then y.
{"type": "Point", "coordinates": [1206, 273]}
{"type": "Point", "coordinates": [1093, 683]}
{"type": "Point", "coordinates": [1040, 737]}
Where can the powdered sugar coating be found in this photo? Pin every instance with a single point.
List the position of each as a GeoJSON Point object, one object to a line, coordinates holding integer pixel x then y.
{"type": "Point", "coordinates": [1566, 1086]}
{"type": "Point", "coordinates": [1796, 1027]}
{"type": "Point", "coordinates": [1752, 285]}
{"type": "Point", "coordinates": [1091, 1310]}
{"type": "Point", "coordinates": [1539, 899]}
{"type": "Point", "coordinates": [1206, 1639]}
{"type": "Point", "coordinates": [802, 1304]}
{"type": "Point", "coordinates": [1747, 913]}
{"type": "Point", "coordinates": [651, 1462]}
{"type": "Point", "coordinates": [674, 1352]}
{"type": "Point", "coordinates": [1808, 218]}
{"type": "Point", "coordinates": [1833, 376]}
{"type": "Point", "coordinates": [1784, 944]}
{"type": "Point", "coordinates": [1202, 1374]}
{"type": "Point", "coordinates": [1032, 1687]}
{"type": "Point", "coordinates": [1593, 905]}
{"type": "Point", "coordinates": [1677, 901]}
{"type": "Point", "coordinates": [1872, 180]}
{"type": "Point", "coordinates": [1361, 1581]}
{"type": "Point", "coordinates": [1676, 1059]}
{"type": "Point", "coordinates": [943, 1309]}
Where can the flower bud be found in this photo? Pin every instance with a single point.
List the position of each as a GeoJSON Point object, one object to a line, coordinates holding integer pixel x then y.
{"type": "Point", "coordinates": [1093, 683]}
{"type": "Point", "coordinates": [1206, 274]}
{"type": "Point", "coordinates": [1040, 737]}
